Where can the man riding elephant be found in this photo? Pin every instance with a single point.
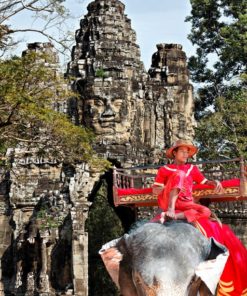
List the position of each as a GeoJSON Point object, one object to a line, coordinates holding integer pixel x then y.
{"type": "Point", "coordinates": [173, 184]}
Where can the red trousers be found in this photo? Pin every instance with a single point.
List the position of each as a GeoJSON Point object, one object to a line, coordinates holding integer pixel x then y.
{"type": "Point", "coordinates": [184, 203]}
{"type": "Point", "coordinates": [192, 211]}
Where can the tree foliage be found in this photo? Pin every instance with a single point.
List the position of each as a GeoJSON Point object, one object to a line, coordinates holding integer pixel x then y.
{"type": "Point", "coordinates": [219, 32]}
{"type": "Point", "coordinates": [223, 133]}
{"type": "Point", "coordinates": [30, 92]}
{"type": "Point", "coordinates": [219, 27]}
{"type": "Point", "coordinates": [47, 17]}
{"type": "Point", "coordinates": [219, 68]}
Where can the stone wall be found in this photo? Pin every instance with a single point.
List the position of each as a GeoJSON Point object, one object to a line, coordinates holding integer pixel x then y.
{"type": "Point", "coordinates": [234, 214]}
{"type": "Point", "coordinates": [43, 240]}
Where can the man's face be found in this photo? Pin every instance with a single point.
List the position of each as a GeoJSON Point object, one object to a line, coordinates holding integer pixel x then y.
{"type": "Point", "coordinates": [106, 115]}
{"type": "Point", "coordinates": [182, 154]}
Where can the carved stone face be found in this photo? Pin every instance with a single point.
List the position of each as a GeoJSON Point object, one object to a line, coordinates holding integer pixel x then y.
{"type": "Point", "coordinates": [106, 114]}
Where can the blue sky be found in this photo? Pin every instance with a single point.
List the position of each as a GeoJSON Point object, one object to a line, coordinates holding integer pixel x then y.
{"type": "Point", "coordinates": [159, 21]}
{"type": "Point", "coordinates": [155, 21]}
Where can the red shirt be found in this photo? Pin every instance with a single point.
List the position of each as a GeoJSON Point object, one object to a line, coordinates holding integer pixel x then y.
{"type": "Point", "coordinates": [192, 174]}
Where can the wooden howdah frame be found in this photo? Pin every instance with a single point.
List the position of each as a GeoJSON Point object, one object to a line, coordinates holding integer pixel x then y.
{"type": "Point", "coordinates": [132, 186]}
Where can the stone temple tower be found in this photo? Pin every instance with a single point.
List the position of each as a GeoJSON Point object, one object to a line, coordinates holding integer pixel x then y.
{"type": "Point", "coordinates": [106, 64]}
{"type": "Point", "coordinates": [168, 85]}
{"type": "Point", "coordinates": [133, 113]}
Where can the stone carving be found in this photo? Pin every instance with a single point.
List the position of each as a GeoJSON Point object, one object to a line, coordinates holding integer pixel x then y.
{"type": "Point", "coordinates": [172, 92]}
{"type": "Point", "coordinates": [44, 278]}
{"type": "Point", "coordinates": [56, 220]}
{"type": "Point", "coordinates": [109, 76]}
{"type": "Point", "coordinates": [133, 113]}
{"type": "Point", "coordinates": [30, 284]}
{"type": "Point", "coordinates": [107, 112]}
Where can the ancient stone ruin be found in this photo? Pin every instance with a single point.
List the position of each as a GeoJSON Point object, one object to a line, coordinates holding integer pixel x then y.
{"type": "Point", "coordinates": [44, 205]}
{"type": "Point", "coordinates": [134, 113]}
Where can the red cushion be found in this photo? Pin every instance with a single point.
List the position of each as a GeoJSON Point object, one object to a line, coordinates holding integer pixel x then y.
{"type": "Point", "coordinates": [133, 191]}
{"type": "Point", "coordinates": [225, 184]}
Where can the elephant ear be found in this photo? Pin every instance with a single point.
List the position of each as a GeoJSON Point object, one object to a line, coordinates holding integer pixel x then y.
{"type": "Point", "coordinates": [115, 257]}
{"type": "Point", "coordinates": [210, 271]}
{"type": "Point", "coordinates": [111, 258]}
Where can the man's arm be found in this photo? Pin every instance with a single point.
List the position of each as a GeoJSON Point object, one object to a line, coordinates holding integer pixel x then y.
{"type": "Point", "coordinates": [199, 178]}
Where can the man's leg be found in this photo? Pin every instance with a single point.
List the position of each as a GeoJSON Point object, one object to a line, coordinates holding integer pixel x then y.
{"type": "Point", "coordinates": [170, 214]}
{"type": "Point", "coordinates": [192, 211]}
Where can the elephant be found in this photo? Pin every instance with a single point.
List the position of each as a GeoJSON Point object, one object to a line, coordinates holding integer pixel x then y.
{"type": "Point", "coordinates": [170, 259]}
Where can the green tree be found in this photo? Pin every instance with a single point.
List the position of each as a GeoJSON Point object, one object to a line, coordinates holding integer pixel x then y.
{"type": "Point", "coordinates": [223, 133]}
{"type": "Point", "coordinates": [47, 18]}
{"type": "Point", "coordinates": [29, 90]}
{"type": "Point", "coordinates": [219, 32]}
{"type": "Point", "coordinates": [219, 70]}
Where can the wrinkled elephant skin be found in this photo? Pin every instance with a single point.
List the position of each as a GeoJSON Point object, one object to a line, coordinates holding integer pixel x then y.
{"type": "Point", "coordinates": [173, 259]}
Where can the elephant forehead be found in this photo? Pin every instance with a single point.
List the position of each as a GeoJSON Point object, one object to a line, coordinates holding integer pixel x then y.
{"type": "Point", "coordinates": [165, 239]}
{"type": "Point", "coordinates": [166, 253]}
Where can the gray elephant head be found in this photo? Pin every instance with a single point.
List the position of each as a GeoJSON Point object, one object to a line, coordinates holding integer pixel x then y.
{"type": "Point", "coordinates": [165, 260]}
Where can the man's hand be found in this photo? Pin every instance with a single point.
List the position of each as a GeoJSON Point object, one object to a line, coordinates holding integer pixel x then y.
{"type": "Point", "coordinates": [218, 188]}
{"type": "Point", "coordinates": [170, 214]}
